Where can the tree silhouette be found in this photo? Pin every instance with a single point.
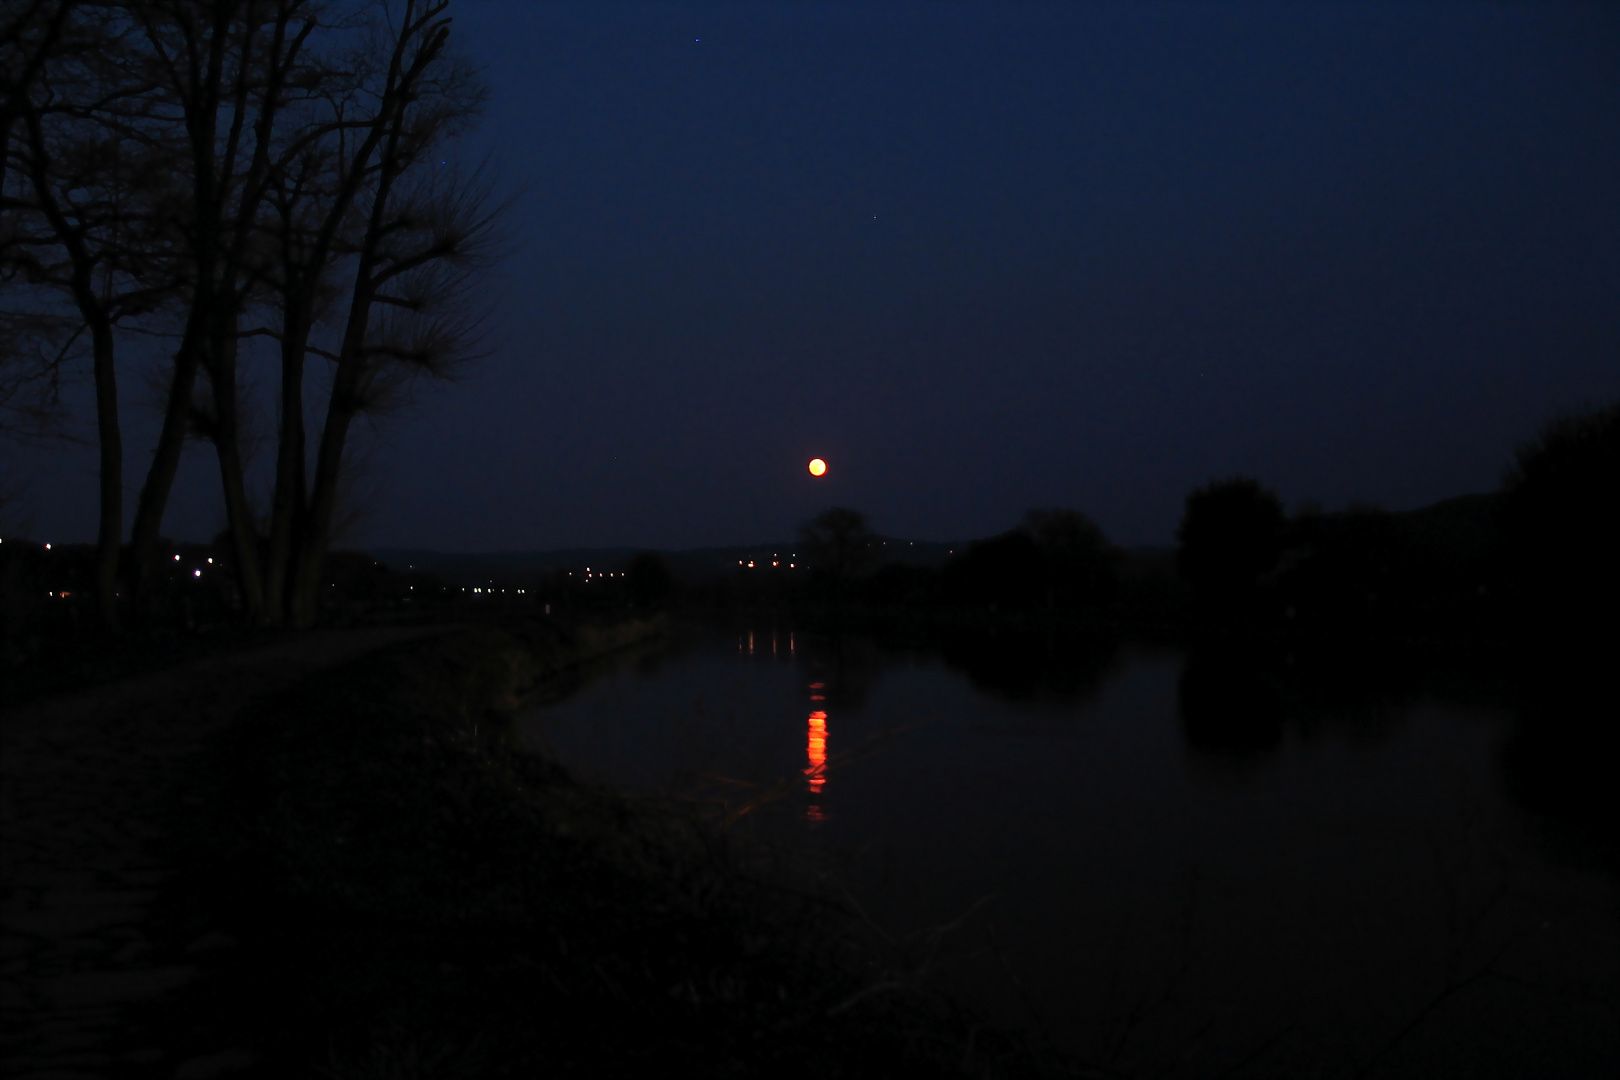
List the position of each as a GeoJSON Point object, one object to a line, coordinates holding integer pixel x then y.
{"type": "Point", "coordinates": [1230, 535]}
{"type": "Point", "coordinates": [1057, 559]}
{"type": "Point", "coordinates": [1078, 561]}
{"type": "Point", "coordinates": [78, 186]}
{"type": "Point", "coordinates": [1002, 572]}
{"type": "Point", "coordinates": [1561, 522]}
{"type": "Point", "coordinates": [839, 547]}
{"type": "Point", "coordinates": [422, 239]}
{"type": "Point", "coordinates": [262, 168]}
{"type": "Point", "coordinates": [649, 580]}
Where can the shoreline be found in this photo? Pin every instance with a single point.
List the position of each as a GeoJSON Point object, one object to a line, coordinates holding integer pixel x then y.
{"type": "Point", "coordinates": [400, 879]}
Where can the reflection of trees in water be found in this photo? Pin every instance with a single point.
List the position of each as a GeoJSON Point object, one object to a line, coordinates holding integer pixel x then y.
{"type": "Point", "coordinates": [1229, 705]}
{"type": "Point", "coordinates": [848, 664]}
{"type": "Point", "coordinates": [1237, 701]}
{"type": "Point", "coordinates": [1558, 761]}
{"type": "Point", "coordinates": [1237, 704]}
{"type": "Point", "coordinates": [1031, 667]}
{"type": "Point", "coordinates": [1017, 666]}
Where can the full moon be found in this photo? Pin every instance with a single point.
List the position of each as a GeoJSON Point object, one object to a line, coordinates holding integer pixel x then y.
{"type": "Point", "coordinates": [817, 466]}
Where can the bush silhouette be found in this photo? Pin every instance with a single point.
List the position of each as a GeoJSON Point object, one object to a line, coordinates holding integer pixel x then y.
{"type": "Point", "coordinates": [1231, 534]}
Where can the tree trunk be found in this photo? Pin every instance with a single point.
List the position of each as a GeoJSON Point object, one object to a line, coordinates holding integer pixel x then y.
{"type": "Point", "coordinates": [318, 525]}
{"type": "Point", "coordinates": [165, 463]}
{"type": "Point", "coordinates": [227, 444]}
{"type": "Point", "coordinates": [287, 515]}
{"type": "Point", "coordinates": [110, 534]}
{"type": "Point", "coordinates": [201, 120]}
{"type": "Point", "coordinates": [95, 314]}
{"type": "Point", "coordinates": [340, 411]}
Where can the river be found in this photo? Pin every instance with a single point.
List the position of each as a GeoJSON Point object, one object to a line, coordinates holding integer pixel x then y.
{"type": "Point", "coordinates": [1159, 863]}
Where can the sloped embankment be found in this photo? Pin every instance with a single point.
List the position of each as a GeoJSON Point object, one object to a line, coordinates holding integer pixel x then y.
{"type": "Point", "coordinates": [412, 894]}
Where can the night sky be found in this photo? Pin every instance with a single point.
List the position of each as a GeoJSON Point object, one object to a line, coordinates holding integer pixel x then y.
{"type": "Point", "coordinates": [983, 257]}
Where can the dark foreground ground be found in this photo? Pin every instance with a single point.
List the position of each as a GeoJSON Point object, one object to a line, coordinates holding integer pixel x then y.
{"type": "Point", "coordinates": [324, 855]}
{"type": "Point", "coordinates": [87, 781]}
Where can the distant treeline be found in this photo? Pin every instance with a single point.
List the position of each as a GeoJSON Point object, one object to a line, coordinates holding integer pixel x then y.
{"type": "Point", "coordinates": [47, 590]}
{"type": "Point", "coordinates": [1535, 559]}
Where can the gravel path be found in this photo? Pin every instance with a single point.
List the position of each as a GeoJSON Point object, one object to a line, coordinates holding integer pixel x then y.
{"type": "Point", "coordinates": [82, 782]}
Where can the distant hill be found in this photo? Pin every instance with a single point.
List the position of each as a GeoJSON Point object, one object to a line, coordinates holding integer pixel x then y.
{"type": "Point", "coordinates": [690, 564]}
{"type": "Point", "coordinates": [1462, 527]}
{"type": "Point", "coordinates": [464, 568]}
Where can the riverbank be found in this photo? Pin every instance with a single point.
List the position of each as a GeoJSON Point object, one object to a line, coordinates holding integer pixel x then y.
{"type": "Point", "coordinates": [394, 887]}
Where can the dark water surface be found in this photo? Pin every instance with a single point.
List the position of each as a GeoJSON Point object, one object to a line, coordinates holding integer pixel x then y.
{"type": "Point", "coordinates": [1168, 864]}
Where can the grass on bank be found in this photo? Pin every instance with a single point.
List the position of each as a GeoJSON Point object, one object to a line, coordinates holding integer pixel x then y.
{"type": "Point", "coordinates": [414, 895]}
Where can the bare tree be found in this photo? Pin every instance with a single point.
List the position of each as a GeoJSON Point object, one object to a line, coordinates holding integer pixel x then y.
{"type": "Point", "coordinates": [353, 230]}
{"type": "Point", "coordinates": [421, 240]}
{"type": "Point", "coordinates": [286, 194]}
{"type": "Point", "coordinates": [77, 221]}
{"type": "Point", "coordinates": [226, 68]}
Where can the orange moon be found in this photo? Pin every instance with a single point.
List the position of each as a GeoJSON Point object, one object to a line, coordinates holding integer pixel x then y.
{"type": "Point", "coordinates": [817, 466]}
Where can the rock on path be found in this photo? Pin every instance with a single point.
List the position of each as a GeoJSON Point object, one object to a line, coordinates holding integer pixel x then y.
{"type": "Point", "coordinates": [82, 782]}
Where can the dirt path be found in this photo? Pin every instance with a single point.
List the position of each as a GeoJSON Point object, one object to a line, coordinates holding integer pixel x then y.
{"type": "Point", "coordinates": [82, 779]}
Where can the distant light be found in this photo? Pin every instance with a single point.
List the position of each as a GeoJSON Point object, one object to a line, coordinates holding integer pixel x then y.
{"type": "Point", "coordinates": [750, 564]}
{"type": "Point", "coordinates": [48, 547]}
{"type": "Point", "coordinates": [196, 573]}
{"type": "Point", "coordinates": [210, 562]}
{"type": "Point", "coordinates": [817, 467]}
{"type": "Point", "coordinates": [176, 558]}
